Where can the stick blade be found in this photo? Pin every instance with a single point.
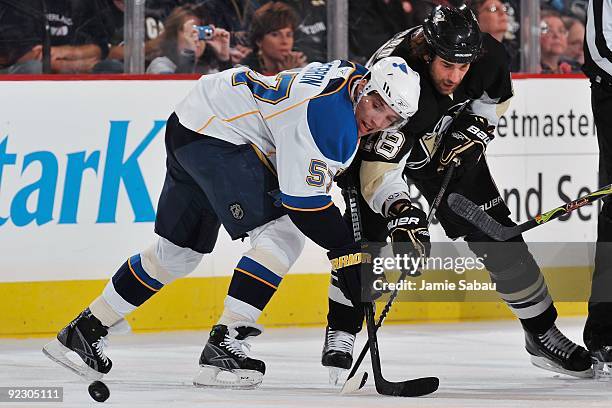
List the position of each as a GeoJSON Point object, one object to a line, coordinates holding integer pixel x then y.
{"type": "Point", "coordinates": [478, 217]}
{"type": "Point", "coordinates": [355, 383]}
{"type": "Point", "coordinates": [411, 388]}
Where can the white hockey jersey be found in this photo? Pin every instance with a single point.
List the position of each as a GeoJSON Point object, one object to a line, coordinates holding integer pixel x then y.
{"type": "Point", "coordinates": [302, 120]}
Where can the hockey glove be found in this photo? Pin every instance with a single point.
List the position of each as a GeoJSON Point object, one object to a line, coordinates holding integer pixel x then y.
{"type": "Point", "coordinates": [466, 140]}
{"type": "Point", "coordinates": [406, 223]}
{"type": "Point", "coordinates": [346, 262]}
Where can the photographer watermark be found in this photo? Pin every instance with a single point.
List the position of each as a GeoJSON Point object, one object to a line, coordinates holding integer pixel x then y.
{"type": "Point", "coordinates": [412, 264]}
{"type": "Point", "coordinates": [414, 267]}
{"type": "Point", "coordinates": [459, 272]}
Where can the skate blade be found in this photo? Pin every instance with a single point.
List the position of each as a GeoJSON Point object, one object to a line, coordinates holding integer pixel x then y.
{"type": "Point", "coordinates": [546, 364]}
{"type": "Point", "coordinates": [57, 352]}
{"type": "Point", "coordinates": [212, 376]}
{"type": "Point", "coordinates": [602, 371]}
{"type": "Point", "coordinates": [355, 383]}
{"type": "Point", "coordinates": [335, 373]}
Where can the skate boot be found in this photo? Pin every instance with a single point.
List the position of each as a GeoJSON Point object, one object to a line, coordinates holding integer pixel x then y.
{"type": "Point", "coordinates": [224, 363]}
{"type": "Point", "coordinates": [555, 352]}
{"type": "Point", "coordinates": [86, 337]}
{"type": "Point", "coordinates": [337, 353]}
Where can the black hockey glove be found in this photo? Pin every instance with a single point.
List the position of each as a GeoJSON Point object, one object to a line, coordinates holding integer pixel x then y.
{"type": "Point", "coordinates": [347, 264]}
{"type": "Point", "coordinates": [466, 140]}
{"type": "Point", "coordinates": [406, 223]}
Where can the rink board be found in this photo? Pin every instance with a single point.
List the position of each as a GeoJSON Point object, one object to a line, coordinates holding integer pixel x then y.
{"type": "Point", "coordinates": [42, 308]}
{"type": "Point", "coordinates": [83, 163]}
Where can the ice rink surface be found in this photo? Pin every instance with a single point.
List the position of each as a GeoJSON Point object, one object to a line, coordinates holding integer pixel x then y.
{"type": "Point", "coordinates": [479, 365]}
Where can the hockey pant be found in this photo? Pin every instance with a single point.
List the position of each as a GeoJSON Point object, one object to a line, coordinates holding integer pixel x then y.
{"type": "Point", "coordinates": [598, 328]}
{"type": "Point", "coordinates": [519, 281]}
{"type": "Point", "coordinates": [209, 182]}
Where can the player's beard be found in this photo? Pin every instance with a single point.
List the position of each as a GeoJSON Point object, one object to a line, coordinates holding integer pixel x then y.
{"type": "Point", "coordinates": [445, 88]}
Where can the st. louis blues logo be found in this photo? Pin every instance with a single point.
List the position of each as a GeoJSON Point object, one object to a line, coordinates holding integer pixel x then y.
{"type": "Point", "coordinates": [401, 66]}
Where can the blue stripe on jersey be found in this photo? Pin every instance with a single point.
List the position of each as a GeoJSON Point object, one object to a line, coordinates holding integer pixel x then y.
{"type": "Point", "coordinates": [136, 267]}
{"type": "Point", "coordinates": [331, 122]}
{"type": "Point", "coordinates": [306, 203]}
{"type": "Point", "coordinates": [260, 271]}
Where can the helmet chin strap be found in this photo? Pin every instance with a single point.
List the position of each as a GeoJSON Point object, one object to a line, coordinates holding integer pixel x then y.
{"type": "Point", "coordinates": [359, 96]}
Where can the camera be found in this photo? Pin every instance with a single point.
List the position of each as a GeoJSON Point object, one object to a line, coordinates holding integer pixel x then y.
{"type": "Point", "coordinates": [204, 32]}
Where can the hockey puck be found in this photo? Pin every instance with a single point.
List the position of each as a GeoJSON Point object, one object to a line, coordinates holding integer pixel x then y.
{"type": "Point", "coordinates": [98, 391]}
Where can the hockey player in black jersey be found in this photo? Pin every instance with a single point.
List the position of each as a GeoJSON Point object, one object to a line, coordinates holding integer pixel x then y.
{"type": "Point", "coordinates": [465, 88]}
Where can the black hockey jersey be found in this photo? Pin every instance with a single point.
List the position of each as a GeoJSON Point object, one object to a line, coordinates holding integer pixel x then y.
{"type": "Point", "coordinates": [485, 90]}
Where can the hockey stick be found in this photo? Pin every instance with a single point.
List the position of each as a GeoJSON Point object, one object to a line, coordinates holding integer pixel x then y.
{"type": "Point", "coordinates": [479, 218]}
{"type": "Point", "coordinates": [354, 383]}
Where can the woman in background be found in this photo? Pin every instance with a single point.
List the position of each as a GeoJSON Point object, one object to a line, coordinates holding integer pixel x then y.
{"type": "Point", "coordinates": [182, 50]}
{"type": "Point", "coordinates": [272, 31]}
{"type": "Point", "coordinates": [553, 45]}
{"type": "Point", "coordinates": [492, 17]}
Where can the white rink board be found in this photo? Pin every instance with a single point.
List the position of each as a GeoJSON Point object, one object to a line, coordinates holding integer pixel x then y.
{"type": "Point", "coordinates": [54, 123]}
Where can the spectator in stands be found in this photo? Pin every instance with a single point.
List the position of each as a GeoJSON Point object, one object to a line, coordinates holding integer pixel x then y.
{"type": "Point", "coordinates": [76, 35]}
{"type": "Point", "coordinates": [112, 13]}
{"type": "Point", "coordinates": [272, 31]}
{"type": "Point", "coordinates": [575, 39]}
{"type": "Point", "coordinates": [553, 45]}
{"type": "Point", "coordinates": [311, 32]}
{"type": "Point", "coordinates": [234, 16]}
{"type": "Point", "coordinates": [574, 8]}
{"type": "Point", "coordinates": [492, 17]}
{"type": "Point", "coordinates": [373, 22]}
{"type": "Point", "coordinates": [183, 52]}
{"type": "Point", "coordinates": [498, 19]}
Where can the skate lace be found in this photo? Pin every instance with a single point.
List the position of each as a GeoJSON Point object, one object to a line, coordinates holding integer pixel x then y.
{"type": "Point", "coordinates": [340, 340]}
{"type": "Point", "coordinates": [236, 346]}
{"type": "Point", "coordinates": [99, 347]}
{"type": "Point", "coordinates": [557, 343]}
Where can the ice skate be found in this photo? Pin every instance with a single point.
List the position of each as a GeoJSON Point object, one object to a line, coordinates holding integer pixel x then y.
{"type": "Point", "coordinates": [80, 347]}
{"type": "Point", "coordinates": [602, 363]}
{"type": "Point", "coordinates": [554, 352]}
{"type": "Point", "coordinates": [337, 353]}
{"type": "Point", "coordinates": [224, 363]}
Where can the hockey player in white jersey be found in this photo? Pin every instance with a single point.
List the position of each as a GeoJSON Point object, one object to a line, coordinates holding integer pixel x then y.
{"type": "Point", "coordinates": [257, 154]}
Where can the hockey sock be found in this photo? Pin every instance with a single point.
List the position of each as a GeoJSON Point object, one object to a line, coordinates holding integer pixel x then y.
{"type": "Point", "coordinates": [519, 282]}
{"type": "Point", "coordinates": [129, 288]}
{"type": "Point", "coordinates": [251, 288]}
{"type": "Point", "coordinates": [104, 312]}
{"type": "Point", "coordinates": [228, 317]}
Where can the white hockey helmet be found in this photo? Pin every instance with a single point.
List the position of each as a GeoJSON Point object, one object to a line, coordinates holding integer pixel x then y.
{"type": "Point", "coordinates": [397, 84]}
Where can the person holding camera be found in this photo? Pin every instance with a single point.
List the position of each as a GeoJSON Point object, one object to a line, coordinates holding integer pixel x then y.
{"type": "Point", "coordinates": [187, 49]}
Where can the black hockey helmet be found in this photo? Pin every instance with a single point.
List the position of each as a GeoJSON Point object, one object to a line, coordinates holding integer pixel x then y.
{"type": "Point", "coordinates": [453, 34]}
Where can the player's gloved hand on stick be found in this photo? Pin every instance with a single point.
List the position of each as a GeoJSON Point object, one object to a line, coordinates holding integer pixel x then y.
{"type": "Point", "coordinates": [407, 223]}
{"type": "Point", "coordinates": [347, 264]}
{"type": "Point", "coordinates": [466, 140]}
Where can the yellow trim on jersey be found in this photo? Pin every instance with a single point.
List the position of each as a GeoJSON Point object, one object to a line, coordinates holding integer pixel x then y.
{"type": "Point", "coordinates": [226, 120]}
{"type": "Point", "coordinates": [206, 124]}
{"type": "Point", "coordinates": [140, 280]}
{"type": "Point", "coordinates": [283, 98]}
{"type": "Point", "coordinates": [256, 278]}
{"type": "Point", "coordinates": [264, 159]}
{"type": "Point", "coordinates": [309, 209]}
{"type": "Point", "coordinates": [313, 97]}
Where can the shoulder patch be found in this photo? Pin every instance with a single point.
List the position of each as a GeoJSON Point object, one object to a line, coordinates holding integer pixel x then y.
{"type": "Point", "coordinates": [332, 124]}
